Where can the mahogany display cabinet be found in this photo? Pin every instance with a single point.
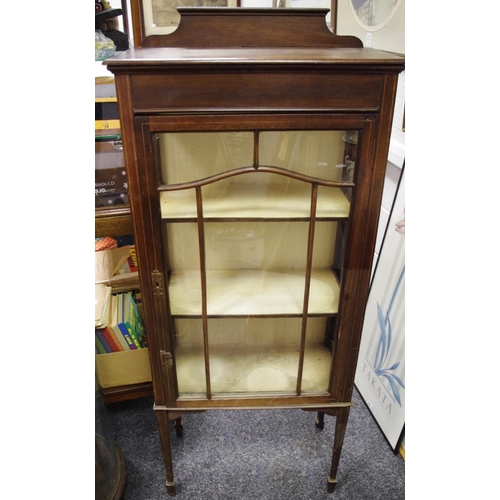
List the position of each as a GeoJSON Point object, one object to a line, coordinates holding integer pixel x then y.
{"type": "Point", "coordinates": [256, 143]}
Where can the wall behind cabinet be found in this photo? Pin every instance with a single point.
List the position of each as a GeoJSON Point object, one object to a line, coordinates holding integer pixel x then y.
{"type": "Point", "coordinates": [385, 36]}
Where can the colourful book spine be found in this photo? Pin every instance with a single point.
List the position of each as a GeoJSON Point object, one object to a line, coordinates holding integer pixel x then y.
{"type": "Point", "coordinates": [127, 298]}
{"type": "Point", "coordinates": [99, 347]}
{"type": "Point", "coordinates": [132, 260]}
{"type": "Point", "coordinates": [119, 322]}
{"type": "Point", "coordinates": [136, 340]}
{"type": "Point", "coordinates": [114, 323]}
{"type": "Point", "coordinates": [123, 341]}
{"type": "Point", "coordinates": [103, 341]}
{"type": "Point", "coordinates": [119, 342]}
{"type": "Point", "coordinates": [119, 337]}
{"type": "Point", "coordinates": [113, 343]}
{"type": "Point", "coordinates": [136, 321]}
{"type": "Point", "coordinates": [126, 334]}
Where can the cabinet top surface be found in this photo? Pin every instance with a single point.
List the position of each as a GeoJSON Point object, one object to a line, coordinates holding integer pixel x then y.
{"type": "Point", "coordinates": [178, 56]}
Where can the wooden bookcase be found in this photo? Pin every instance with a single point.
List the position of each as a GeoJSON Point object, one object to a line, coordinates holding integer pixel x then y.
{"type": "Point", "coordinates": [117, 221]}
{"type": "Point", "coordinates": [256, 143]}
{"type": "Point", "coordinates": [121, 375]}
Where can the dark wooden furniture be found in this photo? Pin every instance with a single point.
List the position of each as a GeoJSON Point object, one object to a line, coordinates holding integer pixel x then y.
{"type": "Point", "coordinates": [117, 221]}
{"type": "Point", "coordinates": [256, 143]}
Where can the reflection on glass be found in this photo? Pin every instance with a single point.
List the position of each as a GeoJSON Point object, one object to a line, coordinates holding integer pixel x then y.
{"type": "Point", "coordinates": [191, 156]}
{"type": "Point", "coordinates": [252, 268]}
{"type": "Point", "coordinates": [317, 355]}
{"type": "Point", "coordinates": [189, 357]}
{"type": "Point", "coordinates": [351, 141]}
{"type": "Point", "coordinates": [325, 154]}
{"type": "Point", "coordinates": [251, 355]}
{"type": "Point", "coordinates": [255, 195]}
{"type": "Point", "coordinates": [317, 153]}
{"type": "Point", "coordinates": [255, 240]}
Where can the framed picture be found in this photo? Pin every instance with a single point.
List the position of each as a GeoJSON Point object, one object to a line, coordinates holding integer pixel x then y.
{"type": "Point", "coordinates": [160, 17]}
{"type": "Point", "coordinates": [380, 373]}
{"type": "Point", "coordinates": [377, 23]}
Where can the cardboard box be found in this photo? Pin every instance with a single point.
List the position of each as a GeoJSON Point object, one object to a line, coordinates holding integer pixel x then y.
{"type": "Point", "coordinates": [123, 368]}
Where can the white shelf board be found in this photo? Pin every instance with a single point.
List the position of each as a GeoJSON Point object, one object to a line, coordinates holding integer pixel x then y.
{"type": "Point", "coordinates": [277, 201]}
{"type": "Point", "coordinates": [253, 293]}
{"type": "Point", "coordinates": [250, 369]}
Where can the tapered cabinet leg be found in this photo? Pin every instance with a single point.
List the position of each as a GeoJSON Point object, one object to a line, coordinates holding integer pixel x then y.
{"type": "Point", "coordinates": [338, 441]}
{"type": "Point", "coordinates": [320, 420]}
{"type": "Point", "coordinates": [178, 427]}
{"type": "Point", "coordinates": [170, 489]}
{"type": "Point", "coordinates": [331, 485]}
{"type": "Point", "coordinates": [163, 427]}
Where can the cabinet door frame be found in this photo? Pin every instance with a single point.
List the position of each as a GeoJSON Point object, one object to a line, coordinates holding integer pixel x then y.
{"type": "Point", "coordinates": [363, 221]}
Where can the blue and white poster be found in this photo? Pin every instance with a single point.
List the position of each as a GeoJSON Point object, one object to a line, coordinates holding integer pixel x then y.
{"type": "Point", "coordinates": [380, 373]}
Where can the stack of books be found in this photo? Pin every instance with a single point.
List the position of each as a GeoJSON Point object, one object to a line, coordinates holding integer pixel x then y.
{"type": "Point", "coordinates": [124, 330]}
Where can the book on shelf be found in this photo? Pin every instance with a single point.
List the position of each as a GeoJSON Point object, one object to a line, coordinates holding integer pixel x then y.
{"type": "Point", "coordinates": [98, 346]}
{"type": "Point", "coordinates": [121, 325]}
{"type": "Point", "coordinates": [102, 300]}
{"type": "Point", "coordinates": [125, 329]}
{"type": "Point", "coordinates": [132, 260]}
{"type": "Point", "coordinates": [102, 341]}
{"type": "Point", "coordinates": [119, 333]}
{"type": "Point", "coordinates": [113, 341]}
{"type": "Point", "coordinates": [132, 320]}
{"type": "Point", "coordinates": [136, 319]}
{"type": "Point", "coordinates": [118, 325]}
{"type": "Point", "coordinates": [113, 324]}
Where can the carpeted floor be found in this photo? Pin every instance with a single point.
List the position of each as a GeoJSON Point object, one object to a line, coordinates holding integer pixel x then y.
{"type": "Point", "coordinates": [256, 455]}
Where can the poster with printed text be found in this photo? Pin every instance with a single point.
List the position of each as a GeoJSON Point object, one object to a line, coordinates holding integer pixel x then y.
{"type": "Point", "coordinates": [380, 373]}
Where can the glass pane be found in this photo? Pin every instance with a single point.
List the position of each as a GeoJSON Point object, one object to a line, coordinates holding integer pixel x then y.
{"type": "Point", "coordinates": [252, 268]}
{"type": "Point", "coordinates": [189, 357]}
{"type": "Point", "coordinates": [191, 156]}
{"type": "Point", "coordinates": [317, 356]}
{"type": "Point", "coordinates": [256, 195]}
{"type": "Point", "coordinates": [254, 354]}
{"type": "Point", "coordinates": [317, 153]}
{"type": "Point", "coordinates": [255, 240]}
{"type": "Point", "coordinates": [351, 142]}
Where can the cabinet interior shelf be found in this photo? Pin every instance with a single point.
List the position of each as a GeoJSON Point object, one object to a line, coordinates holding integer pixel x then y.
{"type": "Point", "coordinates": [255, 202]}
{"type": "Point", "coordinates": [254, 369]}
{"type": "Point", "coordinates": [244, 293]}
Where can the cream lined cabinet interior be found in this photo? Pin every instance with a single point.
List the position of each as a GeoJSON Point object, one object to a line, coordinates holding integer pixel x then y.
{"type": "Point", "coordinates": [255, 145]}
{"type": "Point", "coordinates": [264, 278]}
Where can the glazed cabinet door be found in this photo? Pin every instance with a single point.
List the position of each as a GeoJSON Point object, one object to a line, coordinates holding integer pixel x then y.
{"type": "Point", "coordinates": [253, 218]}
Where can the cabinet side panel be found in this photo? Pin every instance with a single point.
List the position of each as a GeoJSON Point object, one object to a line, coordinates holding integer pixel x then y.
{"type": "Point", "coordinates": [363, 228]}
